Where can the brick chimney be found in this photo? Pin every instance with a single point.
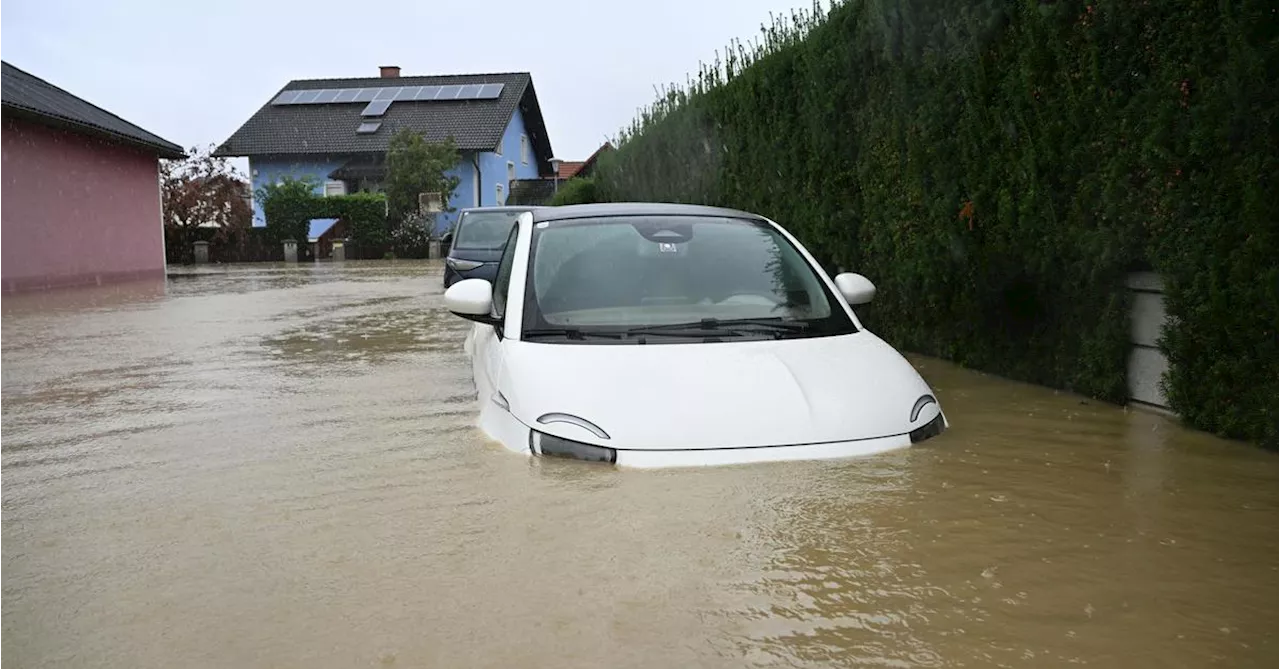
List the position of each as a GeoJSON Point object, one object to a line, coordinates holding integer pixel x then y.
{"type": "Point", "coordinates": [389, 71]}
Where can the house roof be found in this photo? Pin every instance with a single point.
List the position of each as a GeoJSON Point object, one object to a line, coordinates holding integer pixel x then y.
{"type": "Point", "coordinates": [311, 129]}
{"type": "Point", "coordinates": [26, 95]}
{"type": "Point", "coordinates": [362, 166]}
{"type": "Point", "coordinates": [570, 168]}
{"type": "Point", "coordinates": [589, 165]}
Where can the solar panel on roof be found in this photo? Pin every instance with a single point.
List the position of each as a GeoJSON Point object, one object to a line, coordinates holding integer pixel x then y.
{"type": "Point", "coordinates": [388, 94]}
{"type": "Point", "coordinates": [376, 108]}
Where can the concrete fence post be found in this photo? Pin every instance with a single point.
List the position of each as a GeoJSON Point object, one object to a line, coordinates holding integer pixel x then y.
{"type": "Point", "coordinates": [201, 250]}
{"type": "Point", "coordinates": [339, 251]}
{"type": "Point", "coordinates": [433, 248]}
{"type": "Point", "coordinates": [290, 250]}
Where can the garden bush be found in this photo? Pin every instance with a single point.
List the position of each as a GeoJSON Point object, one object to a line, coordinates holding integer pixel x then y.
{"type": "Point", "coordinates": [291, 204]}
{"type": "Point", "coordinates": [576, 191]}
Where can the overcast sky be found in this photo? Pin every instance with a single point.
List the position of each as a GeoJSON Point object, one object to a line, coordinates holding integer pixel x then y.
{"type": "Point", "coordinates": [193, 72]}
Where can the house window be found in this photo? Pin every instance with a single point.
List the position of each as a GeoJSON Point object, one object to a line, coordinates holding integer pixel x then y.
{"type": "Point", "coordinates": [430, 203]}
{"type": "Point", "coordinates": [511, 171]}
{"type": "Point", "coordinates": [499, 149]}
{"type": "Point", "coordinates": [524, 149]}
{"type": "Point", "coordinates": [498, 197]}
{"type": "Point", "coordinates": [332, 188]}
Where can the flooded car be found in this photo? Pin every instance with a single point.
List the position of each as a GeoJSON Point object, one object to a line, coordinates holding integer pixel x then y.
{"type": "Point", "coordinates": [655, 335]}
{"type": "Point", "coordinates": [476, 243]}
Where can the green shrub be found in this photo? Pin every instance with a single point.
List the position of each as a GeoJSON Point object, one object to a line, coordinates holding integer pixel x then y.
{"type": "Point", "coordinates": [413, 236]}
{"type": "Point", "coordinates": [289, 206]}
{"type": "Point", "coordinates": [576, 191]}
{"type": "Point", "coordinates": [997, 167]}
{"type": "Point", "coordinates": [365, 215]}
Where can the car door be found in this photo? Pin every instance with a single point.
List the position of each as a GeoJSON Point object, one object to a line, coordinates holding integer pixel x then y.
{"type": "Point", "coordinates": [488, 357]}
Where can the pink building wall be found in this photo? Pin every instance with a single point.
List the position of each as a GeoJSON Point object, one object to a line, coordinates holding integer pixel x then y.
{"type": "Point", "coordinates": [76, 209]}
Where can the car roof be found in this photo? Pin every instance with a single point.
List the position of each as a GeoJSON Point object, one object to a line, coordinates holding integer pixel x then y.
{"type": "Point", "coordinates": [608, 209]}
{"type": "Point", "coordinates": [499, 209]}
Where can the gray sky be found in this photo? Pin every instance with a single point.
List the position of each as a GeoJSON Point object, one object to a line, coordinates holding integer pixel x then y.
{"type": "Point", "coordinates": [193, 72]}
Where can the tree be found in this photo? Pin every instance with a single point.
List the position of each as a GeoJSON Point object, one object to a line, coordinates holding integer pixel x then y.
{"type": "Point", "coordinates": [416, 166]}
{"type": "Point", "coordinates": [202, 191]}
{"type": "Point", "coordinates": [289, 206]}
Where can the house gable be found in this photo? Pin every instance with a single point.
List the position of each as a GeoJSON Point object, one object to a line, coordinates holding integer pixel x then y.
{"type": "Point", "coordinates": [283, 126]}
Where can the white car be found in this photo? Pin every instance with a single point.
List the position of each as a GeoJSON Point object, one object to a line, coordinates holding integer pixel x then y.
{"type": "Point", "coordinates": [660, 335]}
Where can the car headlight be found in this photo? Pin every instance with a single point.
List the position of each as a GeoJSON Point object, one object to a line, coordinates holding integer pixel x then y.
{"type": "Point", "coordinates": [556, 447]}
{"type": "Point", "coordinates": [462, 265]}
{"type": "Point", "coordinates": [929, 430]}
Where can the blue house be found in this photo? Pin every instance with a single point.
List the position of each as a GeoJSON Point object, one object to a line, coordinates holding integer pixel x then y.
{"type": "Point", "coordinates": [336, 131]}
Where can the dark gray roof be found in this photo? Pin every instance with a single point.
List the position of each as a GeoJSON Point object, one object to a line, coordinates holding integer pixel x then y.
{"type": "Point", "coordinates": [362, 166]}
{"type": "Point", "coordinates": [638, 209]}
{"type": "Point", "coordinates": [331, 128]}
{"type": "Point", "coordinates": [26, 95]}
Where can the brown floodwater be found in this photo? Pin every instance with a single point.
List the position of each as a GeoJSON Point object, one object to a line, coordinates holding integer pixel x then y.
{"type": "Point", "coordinates": [271, 466]}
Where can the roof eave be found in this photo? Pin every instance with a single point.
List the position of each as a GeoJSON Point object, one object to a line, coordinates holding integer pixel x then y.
{"type": "Point", "coordinates": [541, 141]}
{"type": "Point", "coordinates": [169, 151]}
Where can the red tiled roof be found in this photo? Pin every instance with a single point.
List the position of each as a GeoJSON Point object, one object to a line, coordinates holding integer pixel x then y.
{"type": "Point", "coordinates": [570, 168]}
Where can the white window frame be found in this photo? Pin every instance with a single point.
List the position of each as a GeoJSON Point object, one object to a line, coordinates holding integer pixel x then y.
{"type": "Point", "coordinates": [498, 149]}
{"type": "Point", "coordinates": [511, 171]}
{"type": "Point", "coordinates": [333, 187]}
{"type": "Point", "coordinates": [524, 149]}
{"type": "Point", "coordinates": [498, 198]}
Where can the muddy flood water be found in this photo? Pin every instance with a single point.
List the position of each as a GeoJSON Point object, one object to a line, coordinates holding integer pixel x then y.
{"type": "Point", "coordinates": [265, 466]}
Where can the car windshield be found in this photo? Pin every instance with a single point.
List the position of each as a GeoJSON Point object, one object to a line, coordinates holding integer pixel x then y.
{"type": "Point", "coordinates": [666, 278]}
{"type": "Point", "coordinates": [484, 229]}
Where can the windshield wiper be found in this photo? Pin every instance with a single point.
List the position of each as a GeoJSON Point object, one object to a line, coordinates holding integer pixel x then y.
{"type": "Point", "coordinates": [716, 325]}
{"type": "Point", "coordinates": [568, 333]}
{"type": "Point", "coordinates": [772, 323]}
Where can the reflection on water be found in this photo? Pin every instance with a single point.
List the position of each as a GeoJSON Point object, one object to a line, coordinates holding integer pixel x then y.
{"type": "Point", "coordinates": [275, 466]}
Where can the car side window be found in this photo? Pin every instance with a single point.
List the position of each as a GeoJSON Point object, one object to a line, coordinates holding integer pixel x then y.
{"type": "Point", "coordinates": [502, 282]}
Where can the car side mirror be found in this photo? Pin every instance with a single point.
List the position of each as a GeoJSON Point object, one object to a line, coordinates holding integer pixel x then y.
{"type": "Point", "coordinates": [471, 299]}
{"type": "Point", "coordinates": [855, 288]}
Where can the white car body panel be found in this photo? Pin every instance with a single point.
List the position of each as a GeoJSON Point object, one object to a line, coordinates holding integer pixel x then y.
{"type": "Point", "coordinates": [703, 403]}
{"type": "Point", "coordinates": [717, 395]}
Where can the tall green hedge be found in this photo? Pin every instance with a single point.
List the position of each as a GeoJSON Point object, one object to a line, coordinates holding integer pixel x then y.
{"type": "Point", "coordinates": [364, 213]}
{"type": "Point", "coordinates": [290, 204]}
{"type": "Point", "coordinates": [998, 167]}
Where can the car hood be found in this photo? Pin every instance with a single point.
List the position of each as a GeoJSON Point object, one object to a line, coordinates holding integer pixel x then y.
{"type": "Point", "coordinates": [717, 395]}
